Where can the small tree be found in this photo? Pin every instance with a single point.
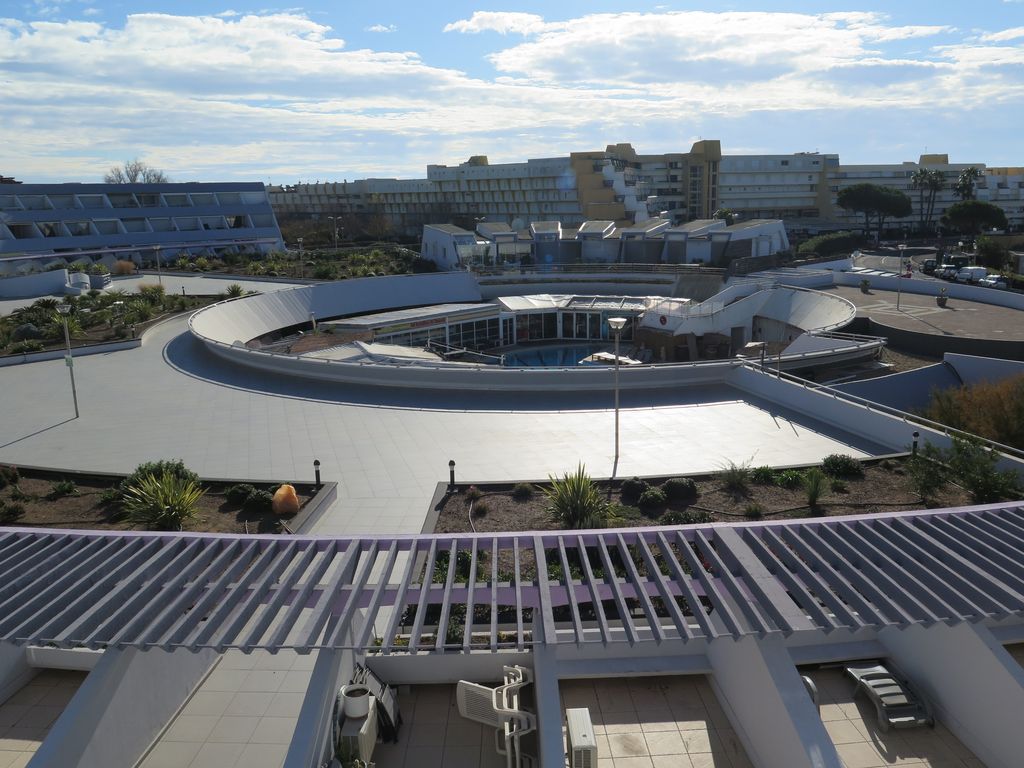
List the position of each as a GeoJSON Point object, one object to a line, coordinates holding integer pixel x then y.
{"type": "Point", "coordinates": [972, 216]}
{"type": "Point", "coordinates": [134, 172]}
{"type": "Point", "coordinates": [725, 215]}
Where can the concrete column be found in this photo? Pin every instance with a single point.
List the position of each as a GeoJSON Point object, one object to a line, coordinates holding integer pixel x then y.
{"type": "Point", "coordinates": [14, 670]}
{"type": "Point", "coordinates": [765, 699]}
{"type": "Point", "coordinates": [122, 706]}
{"type": "Point", "coordinates": [975, 687]}
{"type": "Point", "coordinates": [548, 699]}
{"type": "Point", "coordinates": [311, 745]}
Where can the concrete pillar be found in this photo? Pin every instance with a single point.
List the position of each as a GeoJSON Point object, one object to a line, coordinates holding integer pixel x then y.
{"type": "Point", "coordinates": [122, 706]}
{"type": "Point", "coordinates": [14, 670]}
{"type": "Point", "coordinates": [975, 687]}
{"type": "Point", "coordinates": [548, 699]}
{"type": "Point", "coordinates": [765, 699]}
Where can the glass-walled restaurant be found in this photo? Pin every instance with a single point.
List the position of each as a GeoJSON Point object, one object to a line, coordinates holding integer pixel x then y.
{"type": "Point", "coordinates": [511, 321]}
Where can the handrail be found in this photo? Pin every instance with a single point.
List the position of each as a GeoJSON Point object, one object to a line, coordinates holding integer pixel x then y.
{"type": "Point", "coordinates": [871, 405]}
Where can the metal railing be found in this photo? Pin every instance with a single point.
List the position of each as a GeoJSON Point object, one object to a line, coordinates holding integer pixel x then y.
{"type": "Point", "coordinates": [870, 405]}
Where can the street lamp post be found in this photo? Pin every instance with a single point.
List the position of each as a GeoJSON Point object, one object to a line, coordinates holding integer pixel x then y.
{"type": "Point", "coordinates": [302, 269]}
{"type": "Point", "coordinates": [899, 279]}
{"type": "Point", "coordinates": [64, 310]}
{"type": "Point", "coordinates": [159, 274]}
{"type": "Point", "coordinates": [617, 324]}
{"type": "Point", "coordinates": [334, 226]}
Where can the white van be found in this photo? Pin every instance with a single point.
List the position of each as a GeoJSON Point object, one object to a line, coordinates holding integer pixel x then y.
{"type": "Point", "coordinates": [971, 274]}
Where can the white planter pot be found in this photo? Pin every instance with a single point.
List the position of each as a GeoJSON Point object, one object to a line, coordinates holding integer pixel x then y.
{"type": "Point", "coordinates": [355, 701]}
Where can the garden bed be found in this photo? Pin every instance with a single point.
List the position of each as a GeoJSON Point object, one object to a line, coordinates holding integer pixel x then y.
{"type": "Point", "coordinates": [83, 505]}
{"type": "Point", "coordinates": [884, 487]}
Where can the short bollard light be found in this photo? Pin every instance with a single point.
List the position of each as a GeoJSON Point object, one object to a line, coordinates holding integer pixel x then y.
{"type": "Point", "coordinates": [451, 474]}
{"type": "Point", "coordinates": [913, 447]}
{"type": "Point", "coordinates": [316, 472]}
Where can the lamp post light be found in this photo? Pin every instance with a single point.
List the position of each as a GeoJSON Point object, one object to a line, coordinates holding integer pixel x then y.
{"type": "Point", "coordinates": [899, 279]}
{"type": "Point", "coordinates": [302, 269]}
{"type": "Point", "coordinates": [64, 310]}
{"type": "Point", "coordinates": [617, 324]}
{"type": "Point", "coordinates": [451, 474]}
{"type": "Point", "coordinates": [159, 274]}
{"type": "Point", "coordinates": [334, 226]}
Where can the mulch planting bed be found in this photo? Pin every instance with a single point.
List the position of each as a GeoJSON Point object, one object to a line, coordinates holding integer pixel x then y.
{"type": "Point", "coordinates": [85, 508]}
{"type": "Point", "coordinates": [884, 488]}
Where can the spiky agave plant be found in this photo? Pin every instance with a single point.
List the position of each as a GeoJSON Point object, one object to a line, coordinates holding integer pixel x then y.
{"type": "Point", "coordinates": [161, 502]}
{"type": "Point", "coordinates": [576, 501]}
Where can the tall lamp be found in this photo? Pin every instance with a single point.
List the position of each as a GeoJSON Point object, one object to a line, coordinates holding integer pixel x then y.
{"type": "Point", "coordinates": [64, 310]}
{"type": "Point", "coordinates": [617, 324]}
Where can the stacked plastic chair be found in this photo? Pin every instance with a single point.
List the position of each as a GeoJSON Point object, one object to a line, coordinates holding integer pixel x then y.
{"type": "Point", "coordinates": [500, 709]}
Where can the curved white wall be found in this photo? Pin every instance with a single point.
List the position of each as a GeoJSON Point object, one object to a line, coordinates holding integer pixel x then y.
{"type": "Point", "coordinates": [226, 326]}
{"type": "Point", "coordinates": [240, 320]}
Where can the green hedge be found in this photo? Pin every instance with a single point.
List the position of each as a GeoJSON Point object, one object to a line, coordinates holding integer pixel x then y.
{"type": "Point", "coordinates": [831, 244]}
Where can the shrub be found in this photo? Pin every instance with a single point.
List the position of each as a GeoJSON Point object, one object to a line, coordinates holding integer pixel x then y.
{"type": "Point", "coordinates": [480, 508]}
{"type": "Point", "coordinates": [174, 467]}
{"type": "Point", "coordinates": [24, 347]}
{"type": "Point", "coordinates": [831, 244]}
{"type": "Point", "coordinates": [259, 502]}
{"type": "Point", "coordinates": [202, 263]}
{"type": "Point", "coordinates": [234, 290]}
{"type": "Point", "coordinates": [754, 511]}
{"type": "Point", "coordinates": [238, 494]}
{"type": "Point", "coordinates": [763, 475]}
{"type": "Point", "coordinates": [789, 478]}
{"type": "Point", "coordinates": [110, 496]}
{"type": "Point", "coordinates": [162, 502]}
{"type": "Point", "coordinates": [994, 411]}
{"type": "Point", "coordinates": [473, 493]}
{"type": "Point", "coordinates": [926, 472]}
{"type": "Point", "coordinates": [575, 501]}
{"type": "Point", "coordinates": [124, 267]}
{"type": "Point", "coordinates": [522, 491]}
{"type": "Point", "coordinates": [324, 272]}
{"type": "Point", "coordinates": [974, 466]}
{"type": "Point", "coordinates": [841, 465]}
{"type": "Point", "coordinates": [839, 486]}
{"type": "Point", "coordinates": [735, 477]}
{"type": "Point", "coordinates": [815, 481]}
{"type": "Point", "coordinates": [687, 517]}
{"type": "Point", "coordinates": [632, 489]}
{"type": "Point", "coordinates": [652, 498]}
{"type": "Point", "coordinates": [9, 513]}
{"type": "Point", "coordinates": [9, 476]}
{"type": "Point", "coordinates": [680, 488]}
{"type": "Point", "coordinates": [62, 487]}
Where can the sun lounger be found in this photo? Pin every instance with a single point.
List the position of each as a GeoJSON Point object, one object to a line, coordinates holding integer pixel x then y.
{"type": "Point", "coordinates": [897, 704]}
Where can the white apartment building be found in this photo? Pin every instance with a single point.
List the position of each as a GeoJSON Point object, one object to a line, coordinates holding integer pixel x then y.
{"type": "Point", "coordinates": [776, 186]}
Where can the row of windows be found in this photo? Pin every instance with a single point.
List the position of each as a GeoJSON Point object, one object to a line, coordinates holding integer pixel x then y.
{"type": "Point", "coordinates": [59, 202]}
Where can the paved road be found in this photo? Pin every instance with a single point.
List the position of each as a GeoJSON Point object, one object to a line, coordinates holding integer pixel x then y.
{"type": "Point", "coordinates": [171, 398]}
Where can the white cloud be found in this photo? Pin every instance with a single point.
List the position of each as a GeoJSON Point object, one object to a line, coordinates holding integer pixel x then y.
{"type": "Point", "coordinates": [503, 22]}
{"type": "Point", "coordinates": [382, 28]}
{"type": "Point", "coordinates": [236, 96]}
{"type": "Point", "coordinates": [1004, 35]}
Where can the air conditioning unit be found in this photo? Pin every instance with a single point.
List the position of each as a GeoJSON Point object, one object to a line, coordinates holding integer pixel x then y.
{"type": "Point", "coordinates": [582, 742]}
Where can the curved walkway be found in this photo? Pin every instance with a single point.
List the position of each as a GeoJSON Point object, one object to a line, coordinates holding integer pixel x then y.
{"type": "Point", "coordinates": [171, 398]}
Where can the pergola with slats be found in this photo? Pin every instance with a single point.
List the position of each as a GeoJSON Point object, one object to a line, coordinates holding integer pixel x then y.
{"type": "Point", "coordinates": [488, 592]}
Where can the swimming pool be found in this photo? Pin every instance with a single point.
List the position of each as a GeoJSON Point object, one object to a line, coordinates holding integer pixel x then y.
{"type": "Point", "coordinates": [552, 357]}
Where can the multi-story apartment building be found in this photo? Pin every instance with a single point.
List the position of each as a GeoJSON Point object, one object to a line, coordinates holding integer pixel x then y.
{"type": "Point", "coordinates": [625, 187]}
{"type": "Point", "coordinates": [575, 188]}
{"type": "Point", "coordinates": [135, 219]}
{"type": "Point", "coordinates": [899, 177]}
{"type": "Point", "coordinates": [777, 186]}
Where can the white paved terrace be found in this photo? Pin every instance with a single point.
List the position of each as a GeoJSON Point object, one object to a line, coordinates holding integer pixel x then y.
{"type": "Point", "coordinates": [171, 398]}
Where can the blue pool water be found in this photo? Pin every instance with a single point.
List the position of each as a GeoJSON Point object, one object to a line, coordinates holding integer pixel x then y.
{"type": "Point", "coordinates": [551, 357]}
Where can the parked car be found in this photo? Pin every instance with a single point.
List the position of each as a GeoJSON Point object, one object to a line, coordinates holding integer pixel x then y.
{"type": "Point", "coordinates": [995, 281]}
{"type": "Point", "coordinates": [947, 271]}
{"type": "Point", "coordinates": [929, 266]}
{"type": "Point", "coordinates": [971, 274]}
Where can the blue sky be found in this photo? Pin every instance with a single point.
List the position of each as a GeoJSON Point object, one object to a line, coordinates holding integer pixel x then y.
{"type": "Point", "coordinates": [344, 90]}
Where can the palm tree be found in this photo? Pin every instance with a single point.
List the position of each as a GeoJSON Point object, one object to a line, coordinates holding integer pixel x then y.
{"type": "Point", "coordinates": [934, 184]}
{"type": "Point", "coordinates": [919, 181]}
{"type": "Point", "coordinates": [964, 187]}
